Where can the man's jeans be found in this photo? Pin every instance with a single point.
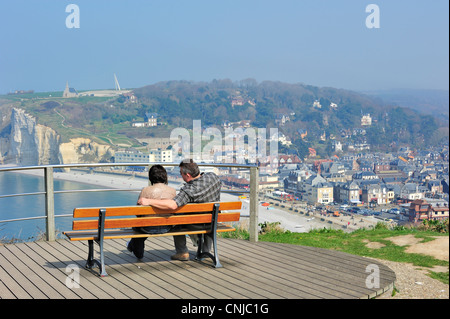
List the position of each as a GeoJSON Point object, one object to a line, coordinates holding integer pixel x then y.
{"type": "Point", "coordinates": [180, 241]}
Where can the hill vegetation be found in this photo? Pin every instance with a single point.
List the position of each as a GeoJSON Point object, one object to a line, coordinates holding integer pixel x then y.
{"type": "Point", "coordinates": [315, 110]}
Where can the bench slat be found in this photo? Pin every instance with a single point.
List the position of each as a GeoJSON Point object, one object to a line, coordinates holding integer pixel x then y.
{"type": "Point", "coordinates": [148, 210]}
{"type": "Point", "coordinates": [130, 233]}
{"type": "Point", "coordinates": [155, 221]}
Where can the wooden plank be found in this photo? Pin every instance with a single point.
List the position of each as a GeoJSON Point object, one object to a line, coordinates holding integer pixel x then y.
{"type": "Point", "coordinates": [272, 273]}
{"type": "Point", "coordinates": [301, 272]}
{"type": "Point", "coordinates": [50, 273]}
{"type": "Point", "coordinates": [20, 272]}
{"type": "Point", "coordinates": [194, 280]}
{"type": "Point", "coordinates": [122, 274]}
{"type": "Point", "coordinates": [226, 278]}
{"type": "Point", "coordinates": [172, 276]}
{"type": "Point", "coordinates": [88, 281]}
{"type": "Point", "coordinates": [251, 270]}
{"type": "Point", "coordinates": [7, 272]}
{"type": "Point", "coordinates": [35, 274]}
{"type": "Point", "coordinates": [155, 221]}
{"type": "Point", "coordinates": [130, 233]}
{"type": "Point", "coordinates": [5, 293]}
{"type": "Point", "coordinates": [148, 210]}
{"type": "Point", "coordinates": [350, 266]}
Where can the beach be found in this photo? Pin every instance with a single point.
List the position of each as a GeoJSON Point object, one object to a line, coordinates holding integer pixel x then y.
{"type": "Point", "coordinates": [290, 220]}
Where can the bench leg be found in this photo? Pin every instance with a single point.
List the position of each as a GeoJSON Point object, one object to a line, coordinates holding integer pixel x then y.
{"type": "Point", "coordinates": [217, 263]}
{"type": "Point", "coordinates": [201, 255]}
{"type": "Point", "coordinates": [92, 263]}
{"type": "Point", "coordinates": [102, 260]}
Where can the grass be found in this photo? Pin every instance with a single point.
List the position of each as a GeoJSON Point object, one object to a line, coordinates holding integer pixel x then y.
{"type": "Point", "coordinates": [355, 243]}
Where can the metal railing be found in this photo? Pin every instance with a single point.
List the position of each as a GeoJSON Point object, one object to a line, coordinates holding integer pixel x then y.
{"type": "Point", "coordinates": [50, 192]}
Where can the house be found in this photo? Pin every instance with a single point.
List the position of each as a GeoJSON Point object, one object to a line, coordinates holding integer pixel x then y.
{"type": "Point", "coordinates": [281, 119]}
{"type": "Point", "coordinates": [366, 120]}
{"type": "Point", "coordinates": [420, 210]}
{"type": "Point", "coordinates": [293, 182]}
{"type": "Point", "coordinates": [130, 97]}
{"type": "Point", "coordinates": [322, 193]}
{"type": "Point", "coordinates": [434, 186]}
{"type": "Point", "coordinates": [378, 194]}
{"type": "Point", "coordinates": [151, 119]}
{"type": "Point", "coordinates": [317, 104]}
{"type": "Point", "coordinates": [267, 181]}
{"type": "Point", "coordinates": [348, 192]}
{"type": "Point", "coordinates": [411, 191]}
{"type": "Point", "coordinates": [365, 175]}
{"type": "Point", "coordinates": [315, 189]}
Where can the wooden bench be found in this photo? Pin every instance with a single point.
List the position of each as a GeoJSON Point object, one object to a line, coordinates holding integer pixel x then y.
{"type": "Point", "coordinates": [117, 222]}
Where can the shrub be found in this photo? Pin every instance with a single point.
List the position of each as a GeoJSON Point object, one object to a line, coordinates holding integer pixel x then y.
{"type": "Point", "coordinates": [274, 227]}
{"type": "Point", "coordinates": [435, 225]}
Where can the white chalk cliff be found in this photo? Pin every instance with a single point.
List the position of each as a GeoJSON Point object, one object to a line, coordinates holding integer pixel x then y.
{"type": "Point", "coordinates": [30, 143]}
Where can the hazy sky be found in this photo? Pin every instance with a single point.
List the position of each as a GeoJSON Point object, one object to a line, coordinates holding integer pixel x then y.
{"type": "Point", "coordinates": [317, 42]}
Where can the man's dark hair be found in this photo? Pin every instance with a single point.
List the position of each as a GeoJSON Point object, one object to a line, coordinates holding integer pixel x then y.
{"type": "Point", "coordinates": [188, 166]}
{"type": "Point", "coordinates": [157, 174]}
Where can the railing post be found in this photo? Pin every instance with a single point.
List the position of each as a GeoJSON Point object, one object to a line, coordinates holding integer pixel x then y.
{"type": "Point", "coordinates": [254, 189]}
{"type": "Point", "coordinates": [49, 203]}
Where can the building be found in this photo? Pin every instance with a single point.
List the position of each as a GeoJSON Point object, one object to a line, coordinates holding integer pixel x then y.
{"type": "Point", "coordinates": [348, 192]}
{"type": "Point", "coordinates": [378, 194]}
{"type": "Point", "coordinates": [69, 92]}
{"type": "Point", "coordinates": [150, 120]}
{"type": "Point", "coordinates": [317, 104]}
{"type": "Point", "coordinates": [322, 193]}
{"type": "Point", "coordinates": [420, 210]}
{"type": "Point", "coordinates": [160, 155]}
{"type": "Point", "coordinates": [153, 156]}
{"type": "Point", "coordinates": [366, 120]}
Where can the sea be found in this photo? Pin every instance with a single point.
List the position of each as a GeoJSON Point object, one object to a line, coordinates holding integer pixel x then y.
{"type": "Point", "coordinates": [34, 205]}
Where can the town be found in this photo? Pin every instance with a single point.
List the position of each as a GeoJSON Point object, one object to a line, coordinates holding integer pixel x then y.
{"type": "Point", "coordinates": [407, 186]}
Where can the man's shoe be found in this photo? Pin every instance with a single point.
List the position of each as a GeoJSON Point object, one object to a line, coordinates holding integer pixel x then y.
{"type": "Point", "coordinates": [180, 256]}
{"type": "Point", "coordinates": [130, 248]}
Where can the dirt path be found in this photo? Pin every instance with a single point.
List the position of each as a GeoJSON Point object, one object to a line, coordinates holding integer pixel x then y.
{"type": "Point", "coordinates": [412, 281]}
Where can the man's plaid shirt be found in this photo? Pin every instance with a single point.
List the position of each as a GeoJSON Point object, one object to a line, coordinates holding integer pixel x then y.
{"type": "Point", "coordinates": [204, 189]}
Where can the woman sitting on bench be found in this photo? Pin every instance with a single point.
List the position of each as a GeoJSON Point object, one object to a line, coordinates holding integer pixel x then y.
{"type": "Point", "coordinates": [158, 190]}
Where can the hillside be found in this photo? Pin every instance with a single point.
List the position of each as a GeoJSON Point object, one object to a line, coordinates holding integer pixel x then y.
{"type": "Point", "coordinates": [433, 102]}
{"type": "Point", "coordinates": [326, 114]}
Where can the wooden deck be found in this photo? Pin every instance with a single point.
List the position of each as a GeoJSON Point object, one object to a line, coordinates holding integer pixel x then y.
{"type": "Point", "coordinates": [37, 270]}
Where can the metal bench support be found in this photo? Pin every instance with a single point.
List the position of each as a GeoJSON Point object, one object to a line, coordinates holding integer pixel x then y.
{"type": "Point", "coordinates": [200, 254]}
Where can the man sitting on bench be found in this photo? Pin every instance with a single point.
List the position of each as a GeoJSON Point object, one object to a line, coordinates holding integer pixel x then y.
{"type": "Point", "coordinates": [199, 188]}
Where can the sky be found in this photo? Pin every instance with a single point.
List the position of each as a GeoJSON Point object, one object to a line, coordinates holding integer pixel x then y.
{"type": "Point", "coordinates": [335, 43]}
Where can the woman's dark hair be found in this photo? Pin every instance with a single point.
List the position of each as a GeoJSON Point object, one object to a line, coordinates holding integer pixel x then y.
{"type": "Point", "coordinates": [157, 174]}
{"type": "Point", "coordinates": [188, 166]}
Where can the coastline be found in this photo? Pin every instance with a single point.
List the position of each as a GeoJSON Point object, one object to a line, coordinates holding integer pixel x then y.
{"type": "Point", "coordinates": [294, 222]}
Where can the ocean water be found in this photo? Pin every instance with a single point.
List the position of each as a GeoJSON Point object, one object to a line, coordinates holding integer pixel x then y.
{"type": "Point", "coordinates": [34, 205]}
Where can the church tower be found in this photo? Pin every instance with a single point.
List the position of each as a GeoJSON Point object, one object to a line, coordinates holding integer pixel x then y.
{"type": "Point", "coordinates": [69, 92]}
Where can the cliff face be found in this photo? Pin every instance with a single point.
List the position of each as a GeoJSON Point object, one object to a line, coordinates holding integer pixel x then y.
{"type": "Point", "coordinates": [83, 150]}
{"type": "Point", "coordinates": [29, 143]}
{"type": "Point", "coordinates": [32, 143]}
